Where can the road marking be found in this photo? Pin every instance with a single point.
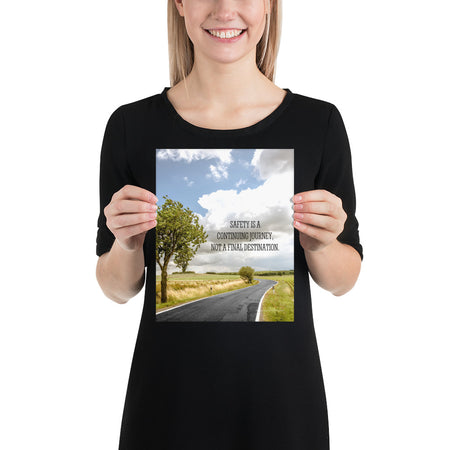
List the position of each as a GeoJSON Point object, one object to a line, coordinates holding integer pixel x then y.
{"type": "Point", "coordinates": [258, 313]}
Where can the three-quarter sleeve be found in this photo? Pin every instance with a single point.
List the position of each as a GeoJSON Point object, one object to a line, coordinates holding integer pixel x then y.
{"type": "Point", "coordinates": [336, 176]}
{"type": "Point", "coordinates": [114, 174]}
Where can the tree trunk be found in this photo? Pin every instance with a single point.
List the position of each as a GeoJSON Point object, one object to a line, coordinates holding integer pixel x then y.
{"type": "Point", "coordinates": [164, 284]}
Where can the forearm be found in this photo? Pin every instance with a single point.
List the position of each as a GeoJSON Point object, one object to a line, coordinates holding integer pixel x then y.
{"type": "Point", "coordinates": [335, 268]}
{"type": "Point", "coordinates": [121, 273]}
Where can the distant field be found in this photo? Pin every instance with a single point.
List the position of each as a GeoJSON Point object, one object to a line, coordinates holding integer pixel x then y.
{"type": "Point", "coordinates": [200, 276]}
{"type": "Point", "coordinates": [278, 306]}
{"type": "Point", "coordinates": [182, 288]}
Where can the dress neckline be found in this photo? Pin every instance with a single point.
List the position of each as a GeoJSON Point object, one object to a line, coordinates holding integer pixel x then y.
{"type": "Point", "coordinates": [258, 126]}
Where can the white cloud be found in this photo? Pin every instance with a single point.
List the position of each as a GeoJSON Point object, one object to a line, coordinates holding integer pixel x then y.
{"type": "Point", "coordinates": [270, 203]}
{"type": "Point", "coordinates": [272, 161]}
{"type": "Point", "coordinates": [241, 181]}
{"type": "Point", "coordinates": [189, 183]}
{"type": "Point", "coordinates": [189, 155]}
{"type": "Point", "coordinates": [265, 202]}
{"type": "Point", "coordinates": [218, 172]}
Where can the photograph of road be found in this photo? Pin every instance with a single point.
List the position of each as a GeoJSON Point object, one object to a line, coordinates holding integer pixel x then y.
{"type": "Point", "coordinates": [224, 237]}
{"type": "Point", "coordinates": [237, 306]}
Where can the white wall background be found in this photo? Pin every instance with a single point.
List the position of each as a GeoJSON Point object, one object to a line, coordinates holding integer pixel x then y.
{"type": "Point", "coordinates": [66, 349]}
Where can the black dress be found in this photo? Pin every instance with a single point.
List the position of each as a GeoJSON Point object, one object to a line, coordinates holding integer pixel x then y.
{"type": "Point", "coordinates": [224, 373]}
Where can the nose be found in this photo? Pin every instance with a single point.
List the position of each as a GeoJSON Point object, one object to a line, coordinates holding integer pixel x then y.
{"type": "Point", "coordinates": [224, 10]}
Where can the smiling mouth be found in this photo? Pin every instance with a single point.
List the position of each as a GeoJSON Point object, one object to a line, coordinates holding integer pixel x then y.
{"type": "Point", "coordinates": [226, 33]}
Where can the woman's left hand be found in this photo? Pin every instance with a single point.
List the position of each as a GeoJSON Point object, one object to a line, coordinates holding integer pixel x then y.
{"type": "Point", "coordinates": [319, 218]}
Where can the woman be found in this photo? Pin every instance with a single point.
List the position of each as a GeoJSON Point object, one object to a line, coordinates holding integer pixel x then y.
{"type": "Point", "coordinates": [224, 383]}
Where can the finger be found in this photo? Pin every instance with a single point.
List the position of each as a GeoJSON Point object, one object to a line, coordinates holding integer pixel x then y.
{"type": "Point", "coordinates": [127, 232]}
{"type": "Point", "coordinates": [326, 208]}
{"type": "Point", "coordinates": [126, 220]}
{"type": "Point", "coordinates": [314, 195]}
{"type": "Point", "coordinates": [320, 234]}
{"type": "Point", "coordinates": [326, 222]}
{"type": "Point", "coordinates": [132, 206]}
{"type": "Point", "coordinates": [130, 191]}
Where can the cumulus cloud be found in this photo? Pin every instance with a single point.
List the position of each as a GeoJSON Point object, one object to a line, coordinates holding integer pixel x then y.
{"type": "Point", "coordinates": [270, 204]}
{"type": "Point", "coordinates": [188, 182]}
{"type": "Point", "coordinates": [272, 161]}
{"type": "Point", "coordinates": [218, 172]}
{"type": "Point", "coordinates": [223, 155]}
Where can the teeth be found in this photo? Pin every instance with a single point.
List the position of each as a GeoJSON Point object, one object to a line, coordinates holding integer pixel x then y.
{"type": "Point", "coordinates": [225, 35]}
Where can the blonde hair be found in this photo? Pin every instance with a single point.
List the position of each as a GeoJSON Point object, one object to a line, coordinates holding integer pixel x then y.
{"type": "Point", "coordinates": [181, 49]}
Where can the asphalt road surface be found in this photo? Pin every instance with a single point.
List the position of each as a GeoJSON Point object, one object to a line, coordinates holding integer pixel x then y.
{"type": "Point", "coordinates": [240, 305]}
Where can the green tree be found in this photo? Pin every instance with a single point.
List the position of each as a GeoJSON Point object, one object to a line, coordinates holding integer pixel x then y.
{"type": "Point", "coordinates": [182, 259]}
{"type": "Point", "coordinates": [246, 273]}
{"type": "Point", "coordinates": [178, 235]}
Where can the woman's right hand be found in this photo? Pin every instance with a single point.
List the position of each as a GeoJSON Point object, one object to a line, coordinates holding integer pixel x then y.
{"type": "Point", "coordinates": [130, 214]}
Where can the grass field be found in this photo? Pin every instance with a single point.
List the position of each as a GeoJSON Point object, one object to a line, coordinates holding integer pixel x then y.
{"type": "Point", "coordinates": [278, 306]}
{"type": "Point", "coordinates": [182, 288]}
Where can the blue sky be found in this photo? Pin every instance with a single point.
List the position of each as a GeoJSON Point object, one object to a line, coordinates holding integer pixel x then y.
{"type": "Point", "coordinates": [186, 181]}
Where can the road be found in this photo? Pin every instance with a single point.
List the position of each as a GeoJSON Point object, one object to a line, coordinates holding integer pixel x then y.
{"type": "Point", "coordinates": [240, 305]}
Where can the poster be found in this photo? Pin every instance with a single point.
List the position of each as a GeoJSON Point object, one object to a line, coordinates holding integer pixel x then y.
{"type": "Point", "coordinates": [224, 237]}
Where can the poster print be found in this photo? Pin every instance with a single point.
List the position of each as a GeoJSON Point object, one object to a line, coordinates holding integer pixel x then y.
{"type": "Point", "coordinates": [224, 236]}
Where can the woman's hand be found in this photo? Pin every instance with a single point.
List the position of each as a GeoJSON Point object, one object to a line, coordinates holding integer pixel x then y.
{"type": "Point", "coordinates": [319, 218]}
{"type": "Point", "coordinates": [130, 214]}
